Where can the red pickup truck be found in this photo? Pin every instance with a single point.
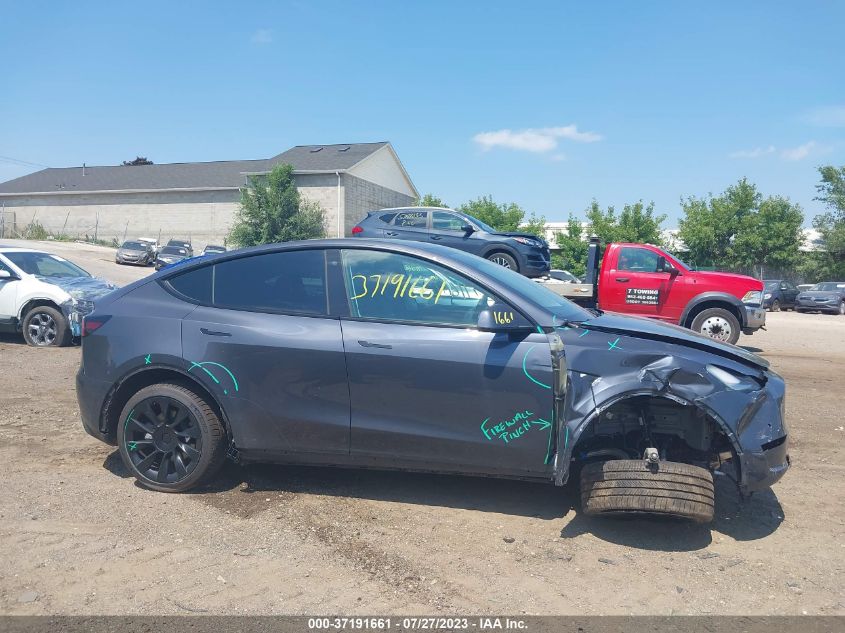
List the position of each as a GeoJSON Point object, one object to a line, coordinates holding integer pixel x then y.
{"type": "Point", "coordinates": [644, 280]}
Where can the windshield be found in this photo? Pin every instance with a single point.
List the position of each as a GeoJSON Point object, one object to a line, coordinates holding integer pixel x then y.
{"type": "Point", "coordinates": [829, 286]}
{"type": "Point", "coordinates": [173, 250]}
{"type": "Point", "coordinates": [134, 246]}
{"type": "Point", "coordinates": [484, 227]}
{"type": "Point", "coordinates": [46, 265]}
{"type": "Point", "coordinates": [563, 309]}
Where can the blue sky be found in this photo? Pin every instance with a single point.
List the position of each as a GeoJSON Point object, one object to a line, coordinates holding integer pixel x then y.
{"type": "Point", "coordinates": [547, 104]}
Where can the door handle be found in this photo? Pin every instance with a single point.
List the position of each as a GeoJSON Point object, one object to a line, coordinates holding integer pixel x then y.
{"type": "Point", "coordinates": [623, 279]}
{"type": "Point", "coordinates": [436, 237]}
{"type": "Point", "coordinates": [208, 332]}
{"type": "Point", "coordinates": [378, 345]}
{"type": "Point", "coordinates": [390, 233]}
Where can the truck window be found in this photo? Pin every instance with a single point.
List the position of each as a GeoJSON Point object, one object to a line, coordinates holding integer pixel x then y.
{"type": "Point", "coordinates": [640, 260]}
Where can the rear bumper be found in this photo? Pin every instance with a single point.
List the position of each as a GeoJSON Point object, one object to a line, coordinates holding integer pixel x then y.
{"type": "Point", "coordinates": [91, 394]}
{"type": "Point", "coordinates": [755, 318]}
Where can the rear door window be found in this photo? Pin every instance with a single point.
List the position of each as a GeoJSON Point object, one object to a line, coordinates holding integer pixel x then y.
{"type": "Point", "coordinates": [287, 281]}
{"type": "Point", "coordinates": [412, 219]}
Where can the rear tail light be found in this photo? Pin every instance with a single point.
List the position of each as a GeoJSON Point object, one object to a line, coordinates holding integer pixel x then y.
{"type": "Point", "coordinates": [356, 230]}
{"type": "Point", "coordinates": [92, 324]}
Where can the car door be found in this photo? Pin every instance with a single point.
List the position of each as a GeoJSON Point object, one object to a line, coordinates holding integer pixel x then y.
{"type": "Point", "coordinates": [641, 289]}
{"type": "Point", "coordinates": [790, 292]}
{"type": "Point", "coordinates": [409, 225]}
{"type": "Point", "coordinates": [8, 293]}
{"type": "Point", "coordinates": [428, 388]}
{"type": "Point", "coordinates": [447, 230]}
{"type": "Point", "coordinates": [263, 343]}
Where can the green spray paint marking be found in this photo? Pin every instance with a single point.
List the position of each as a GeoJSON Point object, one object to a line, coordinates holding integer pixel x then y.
{"type": "Point", "coordinates": [513, 428]}
{"type": "Point", "coordinates": [566, 439]}
{"type": "Point", "coordinates": [128, 417]}
{"type": "Point", "coordinates": [213, 377]}
{"type": "Point", "coordinates": [147, 360]}
{"type": "Point", "coordinates": [525, 371]}
{"type": "Point", "coordinates": [613, 345]}
{"type": "Point", "coordinates": [584, 333]}
{"type": "Point", "coordinates": [549, 447]}
{"type": "Point", "coordinates": [132, 446]}
{"type": "Point", "coordinates": [539, 329]}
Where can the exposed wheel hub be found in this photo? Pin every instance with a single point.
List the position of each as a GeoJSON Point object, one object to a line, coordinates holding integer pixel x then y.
{"type": "Point", "coordinates": [717, 328]}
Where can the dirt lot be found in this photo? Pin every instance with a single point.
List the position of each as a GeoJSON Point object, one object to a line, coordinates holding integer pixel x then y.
{"type": "Point", "coordinates": [79, 537]}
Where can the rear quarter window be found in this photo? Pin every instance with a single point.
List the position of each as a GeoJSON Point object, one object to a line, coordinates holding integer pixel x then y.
{"type": "Point", "coordinates": [387, 218]}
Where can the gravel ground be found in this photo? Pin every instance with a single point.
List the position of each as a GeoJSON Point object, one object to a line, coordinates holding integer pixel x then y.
{"type": "Point", "coordinates": [80, 537]}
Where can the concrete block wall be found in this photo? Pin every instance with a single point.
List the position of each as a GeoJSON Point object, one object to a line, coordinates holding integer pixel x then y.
{"type": "Point", "coordinates": [361, 196]}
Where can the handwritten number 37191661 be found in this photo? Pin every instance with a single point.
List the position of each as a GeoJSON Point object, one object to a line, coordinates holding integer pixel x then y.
{"type": "Point", "coordinates": [414, 287]}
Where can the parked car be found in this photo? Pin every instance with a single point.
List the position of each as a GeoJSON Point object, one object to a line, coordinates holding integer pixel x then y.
{"type": "Point", "coordinates": [392, 354]}
{"type": "Point", "coordinates": [645, 280]}
{"type": "Point", "coordinates": [828, 296]}
{"type": "Point", "coordinates": [182, 244]}
{"type": "Point", "coordinates": [135, 252]}
{"type": "Point", "coordinates": [151, 241]}
{"type": "Point", "coordinates": [44, 296]}
{"type": "Point", "coordinates": [522, 252]}
{"type": "Point", "coordinates": [211, 248]}
{"type": "Point", "coordinates": [779, 294]}
{"type": "Point", "coordinates": [171, 255]}
{"type": "Point", "coordinates": [564, 275]}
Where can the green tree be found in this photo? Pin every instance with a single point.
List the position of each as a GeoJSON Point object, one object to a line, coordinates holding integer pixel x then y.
{"type": "Point", "coordinates": [572, 245]}
{"type": "Point", "coordinates": [430, 200]}
{"type": "Point", "coordinates": [504, 216]}
{"type": "Point", "coordinates": [829, 263]}
{"type": "Point", "coordinates": [636, 223]}
{"type": "Point", "coordinates": [769, 238]}
{"type": "Point", "coordinates": [272, 211]}
{"type": "Point", "coordinates": [710, 224]}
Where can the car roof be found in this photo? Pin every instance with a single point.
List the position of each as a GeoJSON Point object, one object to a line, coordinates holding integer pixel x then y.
{"type": "Point", "coordinates": [18, 249]}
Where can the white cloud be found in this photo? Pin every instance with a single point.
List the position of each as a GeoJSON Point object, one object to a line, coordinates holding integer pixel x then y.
{"type": "Point", "coordinates": [262, 36]}
{"type": "Point", "coordinates": [827, 116]}
{"type": "Point", "coordinates": [798, 153]}
{"type": "Point", "coordinates": [544, 139]}
{"type": "Point", "coordinates": [757, 152]}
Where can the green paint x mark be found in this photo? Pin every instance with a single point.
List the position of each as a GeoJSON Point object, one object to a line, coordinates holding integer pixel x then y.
{"type": "Point", "coordinates": [613, 345]}
{"type": "Point", "coordinates": [147, 360]}
{"type": "Point", "coordinates": [525, 370]}
{"type": "Point", "coordinates": [132, 446]}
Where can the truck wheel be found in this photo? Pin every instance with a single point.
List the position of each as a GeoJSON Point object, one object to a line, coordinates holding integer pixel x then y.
{"type": "Point", "coordinates": [170, 439]}
{"type": "Point", "coordinates": [44, 326]}
{"type": "Point", "coordinates": [631, 486]}
{"type": "Point", "coordinates": [505, 260]}
{"type": "Point", "coordinates": [717, 323]}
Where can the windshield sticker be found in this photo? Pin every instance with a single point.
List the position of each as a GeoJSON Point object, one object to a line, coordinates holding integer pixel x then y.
{"type": "Point", "coordinates": [514, 427]}
{"type": "Point", "coordinates": [642, 296]}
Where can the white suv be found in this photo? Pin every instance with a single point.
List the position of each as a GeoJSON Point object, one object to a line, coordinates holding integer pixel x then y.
{"type": "Point", "coordinates": [45, 296]}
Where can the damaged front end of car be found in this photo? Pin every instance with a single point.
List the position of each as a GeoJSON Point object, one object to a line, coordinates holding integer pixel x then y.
{"type": "Point", "coordinates": [83, 291]}
{"type": "Point", "coordinates": [626, 387]}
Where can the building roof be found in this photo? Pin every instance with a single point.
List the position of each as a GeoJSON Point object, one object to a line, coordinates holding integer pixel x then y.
{"type": "Point", "coordinates": [228, 174]}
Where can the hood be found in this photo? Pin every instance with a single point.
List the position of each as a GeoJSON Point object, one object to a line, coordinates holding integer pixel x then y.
{"type": "Point", "coordinates": [132, 250]}
{"type": "Point", "coordinates": [754, 284]}
{"type": "Point", "coordinates": [530, 236]}
{"type": "Point", "coordinates": [86, 288]}
{"type": "Point", "coordinates": [642, 327]}
{"type": "Point", "coordinates": [826, 294]}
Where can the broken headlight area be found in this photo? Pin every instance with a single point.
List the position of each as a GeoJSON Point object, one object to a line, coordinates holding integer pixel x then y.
{"type": "Point", "coordinates": [75, 310]}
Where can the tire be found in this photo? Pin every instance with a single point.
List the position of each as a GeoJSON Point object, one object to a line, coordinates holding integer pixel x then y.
{"type": "Point", "coordinates": [503, 259]}
{"type": "Point", "coordinates": [45, 326]}
{"type": "Point", "coordinates": [717, 323]}
{"type": "Point", "coordinates": [628, 486]}
{"type": "Point", "coordinates": [170, 456]}
{"type": "Point", "coordinates": [775, 306]}
{"type": "Point", "coordinates": [842, 308]}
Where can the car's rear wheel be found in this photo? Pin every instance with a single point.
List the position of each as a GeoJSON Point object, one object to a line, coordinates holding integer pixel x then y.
{"type": "Point", "coordinates": [504, 260]}
{"type": "Point", "coordinates": [775, 306]}
{"type": "Point", "coordinates": [170, 439]}
{"type": "Point", "coordinates": [44, 326]}
{"type": "Point", "coordinates": [842, 308]}
{"type": "Point", "coordinates": [717, 323]}
{"type": "Point", "coordinates": [628, 486]}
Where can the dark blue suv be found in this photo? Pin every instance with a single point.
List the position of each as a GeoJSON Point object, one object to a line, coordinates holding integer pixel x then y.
{"type": "Point", "coordinates": [523, 252]}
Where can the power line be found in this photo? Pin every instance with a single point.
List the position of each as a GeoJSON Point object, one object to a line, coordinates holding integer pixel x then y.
{"type": "Point", "coordinates": [24, 163]}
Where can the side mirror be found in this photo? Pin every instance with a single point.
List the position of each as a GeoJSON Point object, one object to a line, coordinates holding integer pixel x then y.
{"type": "Point", "coordinates": [665, 267]}
{"type": "Point", "coordinates": [501, 318]}
{"type": "Point", "coordinates": [5, 274]}
{"type": "Point", "coordinates": [467, 228]}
